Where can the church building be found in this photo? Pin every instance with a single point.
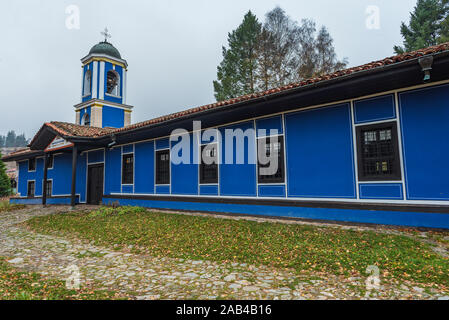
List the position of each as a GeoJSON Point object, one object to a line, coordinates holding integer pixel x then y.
{"type": "Point", "coordinates": [369, 144]}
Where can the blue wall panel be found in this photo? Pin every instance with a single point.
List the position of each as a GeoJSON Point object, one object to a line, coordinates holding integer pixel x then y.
{"type": "Point", "coordinates": [162, 144]}
{"type": "Point", "coordinates": [319, 148]}
{"type": "Point", "coordinates": [112, 170]}
{"type": "Point", "coordinates": [271, 191]}
{"type": "Point", "coordinates": [412, 219]}
{"type": "Point", "coordinates": [144, 167]}
{"type": "Point", "coordinates": [272, 123]}
{"type": "Point", "coordinates": [209, 190]}
{"type": "Point", "coordinates": [61, 174]}
{"type": "Point", "coordinates": [128, 148]}
{"type": "Point", "coordinates": [381, 191]}
{"type": "Point", "coordinates": [96, 156]}
{"type": "Point", "coordinates": [113, 117]}
{"type": "Point", "coordinates": [184, 176]}
{"type": "Point", "coordinates": [23, 178]}
{"type": "Point", "coordinates": [163, 189]}
{"type": "Point", "coordinates": [127, 189]}
{"type": "Point", "coordinates": [375, 109]}
{"type": "Point", "coordinates": [424, 117]}
{"type": "Point", "coordinates": [238, 179]}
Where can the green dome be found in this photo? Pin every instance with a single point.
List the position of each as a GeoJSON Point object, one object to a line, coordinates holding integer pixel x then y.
{"type": "Point", "coordinates": [105, 48]}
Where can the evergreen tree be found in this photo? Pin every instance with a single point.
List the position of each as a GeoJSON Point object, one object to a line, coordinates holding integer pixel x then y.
{"type": "Point", "coordinates": [275, 54]}
{"type": "Point", "coordinates": [21, 141]}
{"type": "Point", "coordinates": [2, 141]}
{"type": "Point", "coordinates": [10, 139]}
{"type": "Point", "coordinates": [236, 74]}
{"type": "Point", "coordinates": [426, 26]}
{"type": "Point", "coordinates": [5, 183]}
{"type": "Point", "coordinates": [326, 58]}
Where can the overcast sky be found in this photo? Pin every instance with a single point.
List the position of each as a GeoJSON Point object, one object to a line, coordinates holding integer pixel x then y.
{"type": "Point", "coordinates": [172, 48]}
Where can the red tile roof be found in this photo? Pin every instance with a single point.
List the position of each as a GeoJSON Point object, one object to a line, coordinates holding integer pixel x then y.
{"type": "Point", "coordinates": [76, 130]}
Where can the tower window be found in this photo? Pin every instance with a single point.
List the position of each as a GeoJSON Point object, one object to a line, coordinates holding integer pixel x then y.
{"type": "Point", "coordinates": [86, 120]}
{"type": "Point", "coordinates": [113, 83]}
{"type": "Point", "coordinates": [87, 83]}
{"type": "Point", "coordinates": [378, 152]}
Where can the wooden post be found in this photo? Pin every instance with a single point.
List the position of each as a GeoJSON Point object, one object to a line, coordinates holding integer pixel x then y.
{"type": "Point", "coordinates": [44, 191]}
{"type": "Point", "coordinates": [73, 193]}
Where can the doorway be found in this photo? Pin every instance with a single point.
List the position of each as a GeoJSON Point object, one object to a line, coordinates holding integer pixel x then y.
{"type": "Point", "coordinates": [95, 184]}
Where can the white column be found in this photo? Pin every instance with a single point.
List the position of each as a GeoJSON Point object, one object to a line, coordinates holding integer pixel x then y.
{"type": "Point", "coordinates": [124, 86]}
{"type": "Point", "coordinates": [95, 80]}
{"type": "Point", "coordinates": [101, 86]}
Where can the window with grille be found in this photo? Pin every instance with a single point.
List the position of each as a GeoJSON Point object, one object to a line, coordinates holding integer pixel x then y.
{"type": "Point", "coordinates": [163, 167]}
{"type": "Point", "coordinates": [128, 169]}
{"type": "Point", "coordinates": [209, 164]}
{"type": "Point", "coordinates": [271, 145]}
{"type": "Point", "coordinates": [49, 188]}
{"type": "Point", "coordinates": [32, 164]}
{"type": "Point", "coordinates": [31, 189]}
{"type": "Point", "coordinates": [378, 152]}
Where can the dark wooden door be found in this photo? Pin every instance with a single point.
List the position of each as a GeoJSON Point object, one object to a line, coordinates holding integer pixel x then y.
{"type": "Point", "coordinates": [95, 184]}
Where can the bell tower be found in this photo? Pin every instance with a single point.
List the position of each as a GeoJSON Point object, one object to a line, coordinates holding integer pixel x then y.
{"type": "Point", "coordinates": [103, 88]}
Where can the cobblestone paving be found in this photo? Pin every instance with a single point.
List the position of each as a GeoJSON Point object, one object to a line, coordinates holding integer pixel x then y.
{"type": "Point", "coordinates": [145, 277]}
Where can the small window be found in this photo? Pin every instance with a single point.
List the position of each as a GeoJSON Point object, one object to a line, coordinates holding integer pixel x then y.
{"type": "Point", "coordinates": [378, 153]}
{"type": "Point", "coordinates": [31, 189]}
{"type": "Point", "coordinates": [113, 83]}
{"type": "Point", "coordinates": [128, 169]}
{"type": "Point", "coordinates": [50, 161]}
{"type": "Point", "coordinates": [87, 83]}
{"type": "Point", "coordinates": [209, 164]}
{"type": "Point", "coordinates": [86, 120]}
{"type": "Point", "coordinates": [32, 164]}
{"type": "Point", "coordinates": [49, 188]}
{"type": "Point", "coordinates": [272, 146]}
{"type": "Point", "coordinates": [163, 167]}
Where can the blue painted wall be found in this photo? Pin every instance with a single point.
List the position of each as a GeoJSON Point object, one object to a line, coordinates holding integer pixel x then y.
{"type": "Point", "coordinates": [375, 109]}
{"type": "Point", "coordinates": [424, 115]}
{"type": "Point", "coordinates": [381, 191]}
{"type": "Point", "coordinates": [144, 167]}
{"type": "Point", "coordinates": [112, 171]}
{"type": "Point", "coordinates": [238, 179]}
{"type": "Point", "coordinates": [319, 150]}
{"type": "Point", "coordinates": [413, 219]}
{"type": "Point", "coordinates": [113, 117]}
{"type": "Point", "coordinates": [184, 177]}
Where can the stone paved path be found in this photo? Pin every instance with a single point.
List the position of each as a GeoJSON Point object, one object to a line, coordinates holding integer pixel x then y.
{"type": "Point", "coordinates": [146, 277]}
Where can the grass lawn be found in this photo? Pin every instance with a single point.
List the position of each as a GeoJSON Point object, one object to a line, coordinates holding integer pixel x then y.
{"type": "Point", "coordinates": [6, 207]}
{"type": "Point", "coordinates": [301, 247]}
{"type": "Point", "coordinates": [15, 285]}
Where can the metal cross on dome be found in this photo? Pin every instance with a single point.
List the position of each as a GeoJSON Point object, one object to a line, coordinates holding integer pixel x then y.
{"type": "Point", "coordinates": [106, 34]}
